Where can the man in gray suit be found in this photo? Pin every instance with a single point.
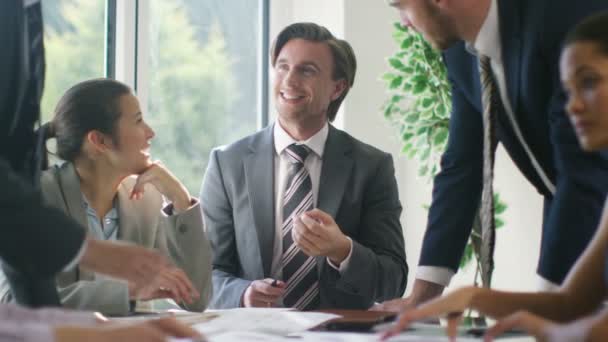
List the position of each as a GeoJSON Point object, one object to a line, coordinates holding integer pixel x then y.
{"type": "Point", "coordinates": [301, 214]}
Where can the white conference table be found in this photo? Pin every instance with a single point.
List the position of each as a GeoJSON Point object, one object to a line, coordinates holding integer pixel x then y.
{"type": "Point", "coordinates": [283, 325]}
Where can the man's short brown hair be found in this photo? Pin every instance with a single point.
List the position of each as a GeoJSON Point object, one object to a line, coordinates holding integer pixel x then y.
{"type": "Point", "coordinates": [345, 63]}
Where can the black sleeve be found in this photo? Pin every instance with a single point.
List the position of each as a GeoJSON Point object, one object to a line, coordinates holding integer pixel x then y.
{"type": "Point", "coordinates": [35, 239]}
{"type": "Point", "coordinates": [10, 23]}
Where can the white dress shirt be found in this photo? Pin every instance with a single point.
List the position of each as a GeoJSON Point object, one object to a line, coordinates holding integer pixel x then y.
{"type": "Point", "coordinates": [313, 164]}
{"type": "Point", "coordinates": [487, 43]}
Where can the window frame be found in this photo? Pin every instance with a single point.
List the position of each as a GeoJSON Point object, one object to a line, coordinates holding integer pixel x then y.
{"type": "Point", "coordinates": [127, 33]}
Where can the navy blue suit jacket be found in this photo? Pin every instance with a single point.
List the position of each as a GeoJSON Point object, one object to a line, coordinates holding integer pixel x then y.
{"type": "Point", "coordinates": [532, 33]}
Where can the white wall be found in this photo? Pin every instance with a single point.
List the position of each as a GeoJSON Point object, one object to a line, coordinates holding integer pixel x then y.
{"type": "Point", "coordinates": [368, 27]}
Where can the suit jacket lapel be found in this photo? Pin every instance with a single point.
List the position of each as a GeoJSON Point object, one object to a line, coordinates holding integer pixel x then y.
{"type": "Point", "coordinates": [259, 174]}
{"type": "Point", "coordinates": [509, 15]}
{"type": "Point", "coordinates": [69, 184]}
{"type": "Point", "coordinates": [335, 172]}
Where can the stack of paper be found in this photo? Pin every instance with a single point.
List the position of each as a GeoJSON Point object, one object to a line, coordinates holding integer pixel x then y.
{"type": "Point", "coordinates": [277, 322]}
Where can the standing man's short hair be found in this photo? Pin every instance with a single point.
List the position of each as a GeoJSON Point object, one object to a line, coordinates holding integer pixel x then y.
{"type": "Point", "coordinates": [345, 63]}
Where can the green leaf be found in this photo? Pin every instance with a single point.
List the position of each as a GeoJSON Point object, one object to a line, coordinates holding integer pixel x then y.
{"type": "Point", "coordinates": [425, 155]}
{"type": "Point", "coordinates": [499, 208]}
{"type": "Point", "coordinates": [396, 98]}
{"type": "Point", "coordinates": [399, 27]}
{"type": "Point", "coordinates": [419, 87]}
{"type": "Point", "coordinates": [422, 142]}
{"type": "Point", "coordinates": [407, 43]}
{"type": "Point", "coordinates": [422, 130]}
{"type": "Point", "coordinates": [427, 102]}
{"type": "Point", "coordinates": [388, 77]}
{"type": "Point", "coordinates": [423, 170]}
{"type": "Point", "coordinates": [419, 78]}
{"type": "Point", "coordinates": [396, 82]}
{"type": "Point", "coordinates": [396, 63]}
{"type": "Point", "coordinates": [441, 110]}
{"type": "Point", "coordinates": [388, 110]}
{"type": "Point", "coordinates": [498, 222]}
{"type": "Point", "coordinates": [412, 153]}
{"type": "Point", "coordinates": [406, 148]}
{"type": "Point", "coordinates": [440, 136]}
{"type": "Point", "coordinates": [411, 118]}
{"type": "Point", "coordinates": [425, 115]}
{"type": "Point", "coordinates": [407, 136]}
{"type": "Point", "coordinates": [467, 256]}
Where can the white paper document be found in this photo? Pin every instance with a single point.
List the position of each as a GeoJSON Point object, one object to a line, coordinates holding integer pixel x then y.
{"type": "Point", "coordinates": [274, 322]}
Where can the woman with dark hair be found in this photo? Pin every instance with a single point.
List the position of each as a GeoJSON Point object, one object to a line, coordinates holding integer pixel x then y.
{"type": "Point", "coordinates": [574, 312]}
{"type": "Point", "coordinates": [109, 184]}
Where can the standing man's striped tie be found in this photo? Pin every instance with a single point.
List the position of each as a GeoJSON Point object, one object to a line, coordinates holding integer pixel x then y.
{"type": "Point", "coordinates": [491, 102]}
{"type": "Point", "coordinates": [299, 269]}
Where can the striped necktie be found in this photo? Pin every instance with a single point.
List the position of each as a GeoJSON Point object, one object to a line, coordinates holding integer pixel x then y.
{"type": "Point", "coordinates": [491, 103]}
{"type": "Point", "coordinates": [299, 269]}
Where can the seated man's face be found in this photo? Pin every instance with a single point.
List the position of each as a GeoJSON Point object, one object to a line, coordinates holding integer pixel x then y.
{"type": "Point", "coordinates": [303, 83]}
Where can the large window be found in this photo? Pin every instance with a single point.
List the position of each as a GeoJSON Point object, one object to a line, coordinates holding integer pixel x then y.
{"type": "Point", "coordinates": [197, 66]}
{"type": "Point", "coordinates": [74, 39]}
{"type": "Point", "coordinates": [200, 78]}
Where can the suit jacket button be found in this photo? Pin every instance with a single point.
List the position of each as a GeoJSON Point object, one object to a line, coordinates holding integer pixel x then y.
{"type": "Point", "coordinates": [182, 228]}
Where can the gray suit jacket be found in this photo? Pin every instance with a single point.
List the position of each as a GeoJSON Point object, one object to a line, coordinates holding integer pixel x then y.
{"type": "Point", "coordinates": [181, 237]}
{"type": "Point", "coordinates": [357, 188]}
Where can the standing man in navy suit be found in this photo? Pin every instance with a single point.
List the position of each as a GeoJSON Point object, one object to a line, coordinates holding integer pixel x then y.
{"type": "Point", "coordinates": [522, 39]}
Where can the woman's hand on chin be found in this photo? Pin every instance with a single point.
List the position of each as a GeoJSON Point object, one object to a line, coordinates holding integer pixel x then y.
{"type": "Point", "coordinates": [166, 183]}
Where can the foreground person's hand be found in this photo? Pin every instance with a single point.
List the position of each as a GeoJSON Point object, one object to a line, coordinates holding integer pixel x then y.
{"type": "Point", "coordinates": [451, 306]}
{"type": "Point", "coordinates": [158, 330]}
{"type": "Point", "coordinates": [171, 282]}
{"type": "Point", "coordinates": [136, 264]}
{"type": "Point", "coordinates": [533, 325]}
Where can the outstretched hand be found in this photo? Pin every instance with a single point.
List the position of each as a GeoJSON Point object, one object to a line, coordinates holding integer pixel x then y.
{"type": "Point", "coordinates": [534, 325]}
{"type": "Point", "coordinates": [136, 264]}
{"type": "Point", "coordinates": [171, 282]}
{"type": "Point", "coordinates": [450, 306]}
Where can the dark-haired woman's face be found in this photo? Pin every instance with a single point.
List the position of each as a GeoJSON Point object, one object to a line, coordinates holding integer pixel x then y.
{"type": "Point", "coordinates": [584, 74]}
{"type": "Point", "coordinates": [131, 152]}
